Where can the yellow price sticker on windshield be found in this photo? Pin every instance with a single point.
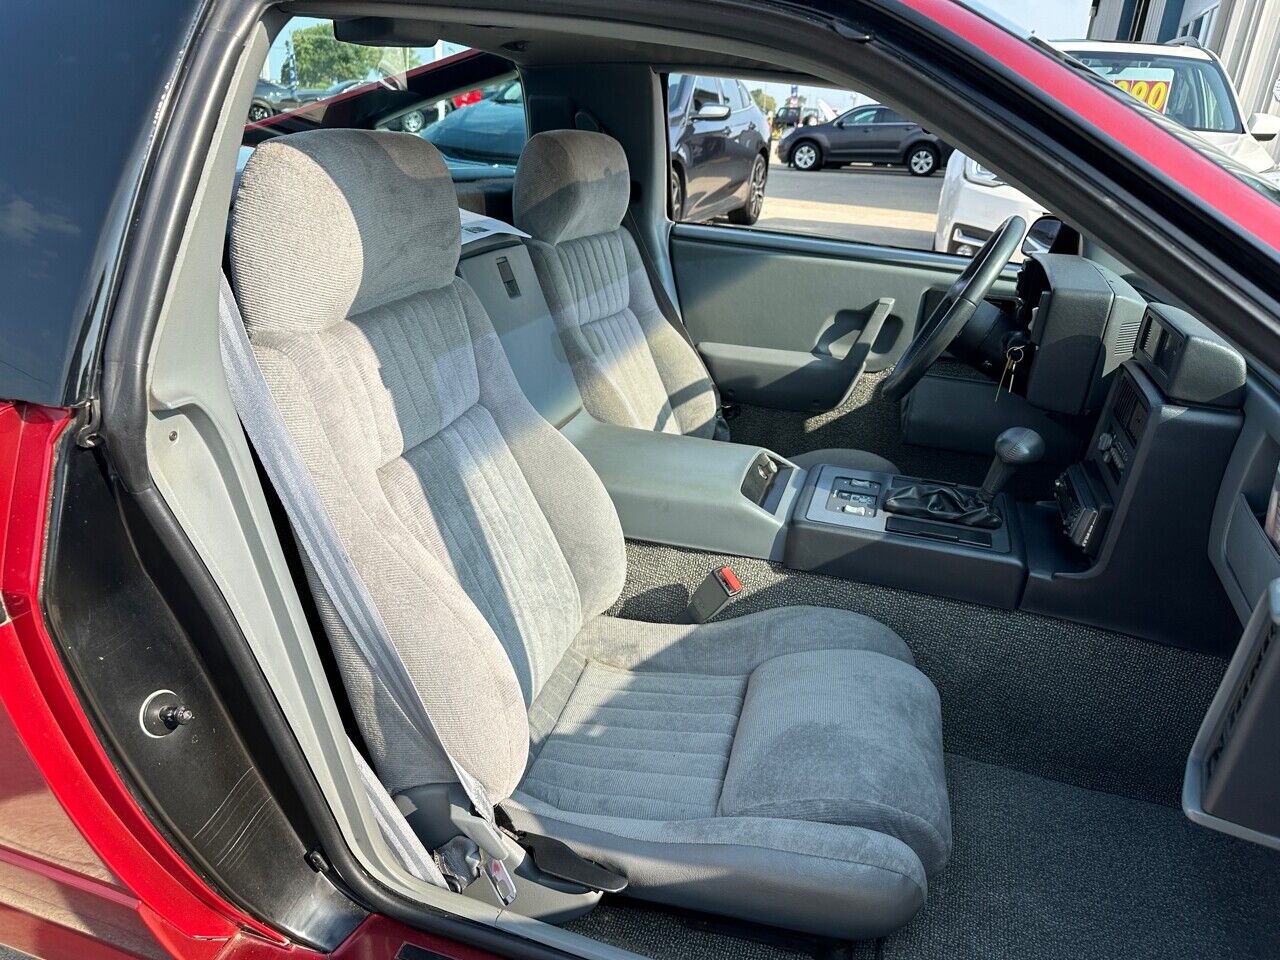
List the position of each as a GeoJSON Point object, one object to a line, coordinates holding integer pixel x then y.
{"type": "Point", "coordinates": [1154, 93]}
{"type": "Point", "coordinates": [1151, 85]}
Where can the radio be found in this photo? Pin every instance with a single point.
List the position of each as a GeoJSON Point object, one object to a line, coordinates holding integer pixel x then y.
{"type": "Point", "coordinates": [1084, 505]}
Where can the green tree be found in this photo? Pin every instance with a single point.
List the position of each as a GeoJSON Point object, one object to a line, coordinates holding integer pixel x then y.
{"type": "Point", "coordinates": [288, 69]}
{"type": "Point", "coordinates": [319, 59]}
{"type": "Point", "coordinates": [764, 101]}
{"type": "Point", "coordinates": [396, 61]}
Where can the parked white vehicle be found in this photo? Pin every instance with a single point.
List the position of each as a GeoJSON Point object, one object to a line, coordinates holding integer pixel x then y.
{"type": "Point", "coordinates": [1182, 81]}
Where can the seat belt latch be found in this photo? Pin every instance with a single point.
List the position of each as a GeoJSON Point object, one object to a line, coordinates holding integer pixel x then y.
{"type": "Point", "coordinates": [503, 883]}
{"type": "Point", "coordinates": [720, 586]}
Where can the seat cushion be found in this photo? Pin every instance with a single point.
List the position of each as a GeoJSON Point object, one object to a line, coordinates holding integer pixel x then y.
{"type": "Point", "coordinates": [650, 746]}
{"type": "Point", "coordinates": [851, 459]}
{"type": "Point", "coordinates": [842, 736]}
{"type": "Point", "coordinates": [784, 767]}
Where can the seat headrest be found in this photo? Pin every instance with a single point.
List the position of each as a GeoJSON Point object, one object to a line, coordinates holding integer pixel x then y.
{"type": "Point", "coordinates": [331, 223]}
{"type": "Point", "coordinates": [571, 184]}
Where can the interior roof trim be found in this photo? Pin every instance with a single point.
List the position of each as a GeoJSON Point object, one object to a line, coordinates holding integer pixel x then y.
{"type": "Point", "coordinates": [568, 25]}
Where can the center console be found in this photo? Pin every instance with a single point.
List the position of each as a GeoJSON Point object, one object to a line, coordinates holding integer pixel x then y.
{"type": "Point", "coordinates": [841, 528]}
{"type": "Point", "coordinates": [690, 492]}
{"type": "Point", "coordinates": [1123, 545]}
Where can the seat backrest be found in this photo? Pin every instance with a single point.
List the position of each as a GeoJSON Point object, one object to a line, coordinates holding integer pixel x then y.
{"type": "Point", "coordinates": [633, 369]}
{"type": "Point", "coordinates": [482, 535]}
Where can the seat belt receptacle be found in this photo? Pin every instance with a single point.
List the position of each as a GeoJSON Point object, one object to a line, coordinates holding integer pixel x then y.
{"type": "Point", "coordinates": [720, 586]}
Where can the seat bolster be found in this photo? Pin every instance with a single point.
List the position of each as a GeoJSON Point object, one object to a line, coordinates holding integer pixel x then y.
{"type": "Point", "coordinates": [737, 645]}
{"type": "Point", "coordinates": [830, 879]}
{"type": "Point", "coordinates": [840, 736]}
{"type": "Point", "coordinates": [684, 375]}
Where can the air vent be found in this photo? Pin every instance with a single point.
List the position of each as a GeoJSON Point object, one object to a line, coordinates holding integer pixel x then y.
{"type": "Point", "coordinates": [1126, 337]}
{"type": "Point", "coordinates": [1151, 337]}
{"type": "Point", "coordinates": [1126, 403]}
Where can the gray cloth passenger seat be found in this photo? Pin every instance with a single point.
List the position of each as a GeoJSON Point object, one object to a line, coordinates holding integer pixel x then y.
{"type": "Point", "coordinates": [784, 767]}
{"type": "Point", "coordinates": [632, 367]}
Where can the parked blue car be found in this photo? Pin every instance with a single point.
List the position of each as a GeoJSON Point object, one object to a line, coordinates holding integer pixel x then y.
{"type": "Point", "coordinates": [491, 130]}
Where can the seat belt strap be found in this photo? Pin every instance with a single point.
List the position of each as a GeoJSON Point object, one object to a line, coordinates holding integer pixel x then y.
{"type": "Point", "coordinates": [665, 305]}
{"type": "Point", "coordinates": [328, 557]}
{"type": "Point", "coordinates": [404, 843]}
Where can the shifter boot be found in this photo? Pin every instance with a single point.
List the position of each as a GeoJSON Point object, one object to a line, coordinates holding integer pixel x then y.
{"type": "Point", "coordinates": [941, 502]}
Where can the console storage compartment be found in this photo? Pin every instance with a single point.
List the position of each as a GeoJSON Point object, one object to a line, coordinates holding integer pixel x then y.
{"type": "Point", "coordinates": [690, 492]}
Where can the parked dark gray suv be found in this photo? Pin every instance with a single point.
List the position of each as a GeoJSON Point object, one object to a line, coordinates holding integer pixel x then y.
{"type": "Point", "coordinates": [871, 133]}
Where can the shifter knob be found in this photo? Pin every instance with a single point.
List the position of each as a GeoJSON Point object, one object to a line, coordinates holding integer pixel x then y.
{"type": "Point", "coordinates": [1019, 445]}
{"type": "Point", "coordinates": [1015, 447]}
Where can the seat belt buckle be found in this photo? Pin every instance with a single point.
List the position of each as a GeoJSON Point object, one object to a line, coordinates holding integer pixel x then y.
{"type": "Point", "coordinates": [713, 595]}
{"type": "Point", "coordinates": [504, 885]}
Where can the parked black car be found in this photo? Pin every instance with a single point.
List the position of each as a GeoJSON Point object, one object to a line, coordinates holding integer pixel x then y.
{"type": "Point", "coordinates": [719, 149]}
{"type": "Point", "coordinates": [269, 99]}
{"type": "Point", "coordinates": [871, 133]}
{"type": "Point", "coordinates": [272, 98]}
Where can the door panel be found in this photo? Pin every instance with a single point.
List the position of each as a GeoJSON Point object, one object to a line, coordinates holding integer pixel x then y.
{"type": "Point", "coordinates": [788, 322]}
{"type": "Point", "coordinates": [1239, 548]}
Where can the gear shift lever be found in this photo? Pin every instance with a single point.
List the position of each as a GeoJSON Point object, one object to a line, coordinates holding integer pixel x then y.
{"type": "Point", "coordinates": [1015, 448]}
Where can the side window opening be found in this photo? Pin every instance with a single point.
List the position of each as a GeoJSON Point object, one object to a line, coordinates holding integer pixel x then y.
{"type": "Point", "coordinates": [837, 164]}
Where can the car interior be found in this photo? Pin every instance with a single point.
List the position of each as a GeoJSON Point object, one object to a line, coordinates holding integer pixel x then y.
{"type": "Point", "coordinates": [743, 593]}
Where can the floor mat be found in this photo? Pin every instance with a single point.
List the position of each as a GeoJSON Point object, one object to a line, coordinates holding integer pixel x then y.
{"type": "Point", "coordinates": [1065, 753]}
{"type": "Point", "coordinates": [1040, 870]}
{"type": "Point", "coordinates": [663, 934]}
{"type": "Point", "coordinates": [1056, 699]}
{"type": "Point", "coordinates": [1046, 870]}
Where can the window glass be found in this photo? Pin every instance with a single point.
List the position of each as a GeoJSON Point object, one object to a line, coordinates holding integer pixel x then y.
{"type": "Point", "coordinates": [706, 92]}
{"type": "Point", "coordinates": [741, 99]}
{"type": "Point", "coordinates": [313, 79]}
{"type": "Point", "coordinates": [848, 181]}
{"type": "Point", "coordinates": [674, 81]}
{"type": "Point", "coordinates": [484, 128]}
{"type": "Point", "coordinates": [1194, 92]}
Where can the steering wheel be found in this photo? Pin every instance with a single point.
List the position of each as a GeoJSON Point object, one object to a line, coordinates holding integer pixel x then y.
{"type": "Point", "coordinates": [950, 316]}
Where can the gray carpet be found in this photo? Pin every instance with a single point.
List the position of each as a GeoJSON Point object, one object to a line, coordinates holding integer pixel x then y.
{"type": "Point", "coordinates": [1047, 870]}
{"type": "Point", "coordinates": [1055, 699]}
{"type": "Point", "coordinates": [1065, 753]}
{"type": "Point", "coordinates": [1043, 871]}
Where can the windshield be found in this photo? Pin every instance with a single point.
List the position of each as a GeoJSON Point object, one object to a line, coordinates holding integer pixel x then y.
{"type": "Point", "coordinates": [1194, 93]}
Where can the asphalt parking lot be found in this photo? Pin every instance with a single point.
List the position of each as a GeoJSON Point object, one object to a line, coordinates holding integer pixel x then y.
{"type": "Point", "coordinates": [883, 205]}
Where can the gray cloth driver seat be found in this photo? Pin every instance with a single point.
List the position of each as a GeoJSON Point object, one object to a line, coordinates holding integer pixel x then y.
{"type": "Point", "coordinates": [784, 766]}
{"type": "Point", "coordinates": [632, 367]}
